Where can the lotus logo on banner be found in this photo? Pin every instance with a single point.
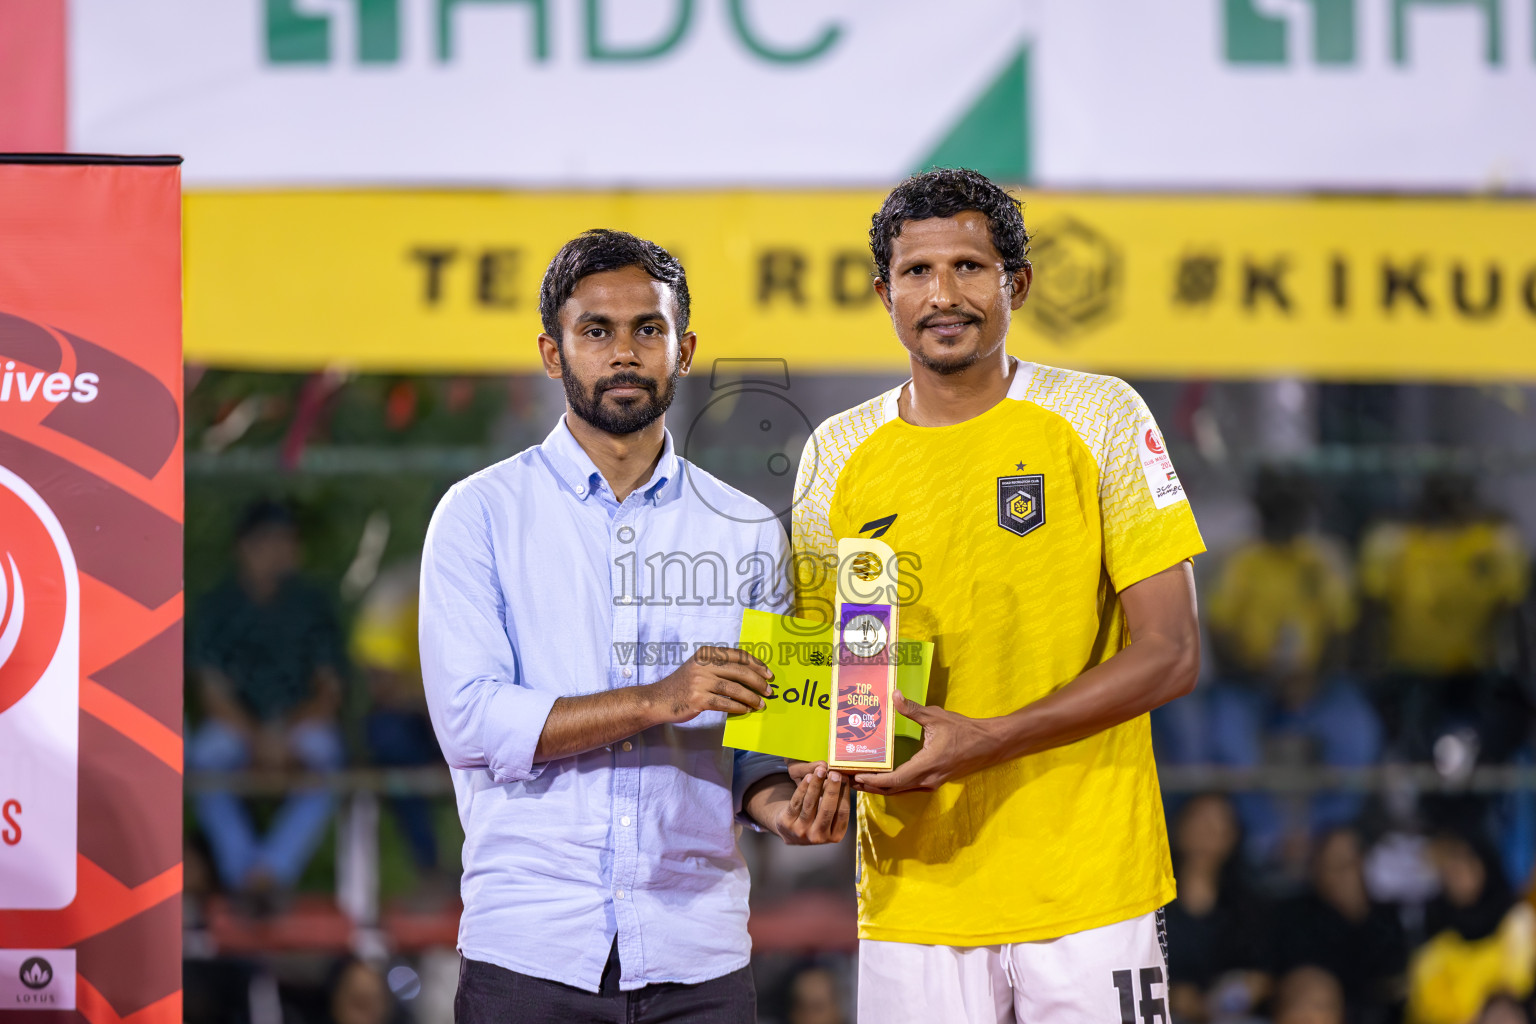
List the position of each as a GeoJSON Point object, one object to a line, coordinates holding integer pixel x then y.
{"type": "Point", "coordinates": [37, 979]}
{"type": "Point", "coordinates": [36, 973]}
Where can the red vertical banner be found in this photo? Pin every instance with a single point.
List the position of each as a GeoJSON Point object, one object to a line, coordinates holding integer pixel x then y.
{"type": "Point", "coordinates": [90, 587]}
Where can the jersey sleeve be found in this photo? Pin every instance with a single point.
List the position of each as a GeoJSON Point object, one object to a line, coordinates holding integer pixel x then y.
{"type": "Point", "coordinates": [813, 551]}
{"type": "Point", "coordinates": [1147, 522]}
{"type": "Point", "coordinates": [813, 558]}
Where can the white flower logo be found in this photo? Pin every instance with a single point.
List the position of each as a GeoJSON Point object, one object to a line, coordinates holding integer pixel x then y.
{"type": "Point", "coordinates": [36, 973]}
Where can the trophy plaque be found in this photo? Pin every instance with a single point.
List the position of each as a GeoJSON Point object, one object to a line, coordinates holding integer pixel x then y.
{"type": "Point", "coordinates": [864, 657]}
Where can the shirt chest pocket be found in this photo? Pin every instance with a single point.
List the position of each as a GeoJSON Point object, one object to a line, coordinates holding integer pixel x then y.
{"type": "Point", "coordinates": [687, 628]}
{"type": "Point", "coordinates": [700, 626]}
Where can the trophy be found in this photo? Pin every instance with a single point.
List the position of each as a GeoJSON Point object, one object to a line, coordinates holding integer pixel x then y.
{"type": "Point", "coordinates": [864, 634]}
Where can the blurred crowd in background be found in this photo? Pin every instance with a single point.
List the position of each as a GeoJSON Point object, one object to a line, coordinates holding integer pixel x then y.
{"type": "Point", "coordinates": [1354, 621]}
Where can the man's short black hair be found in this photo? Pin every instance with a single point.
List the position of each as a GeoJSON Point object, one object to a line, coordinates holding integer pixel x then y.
{"type": "Point", "coordinates": [600, 249]}
{"type": "Point", "coordinates": [265, 514]}
{"type": "Point", "coordinates": [946, 192]}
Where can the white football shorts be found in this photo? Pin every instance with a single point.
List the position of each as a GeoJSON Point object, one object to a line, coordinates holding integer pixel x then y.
{"type": "Point", "coordinates": [1118, 972]}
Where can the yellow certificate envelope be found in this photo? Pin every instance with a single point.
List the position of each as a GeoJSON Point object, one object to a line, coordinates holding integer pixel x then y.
{"type": "Point", "coordinates": [799, 651]}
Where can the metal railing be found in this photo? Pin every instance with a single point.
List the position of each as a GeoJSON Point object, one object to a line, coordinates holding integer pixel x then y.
{"type": "Point", "coordinates": [436, 781]}
{"type": "Point", "coordinates": [361, 790]}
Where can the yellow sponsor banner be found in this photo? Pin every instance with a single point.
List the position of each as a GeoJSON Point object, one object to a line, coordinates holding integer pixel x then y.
{"type": "Point", "coordinates": [1220, 286]}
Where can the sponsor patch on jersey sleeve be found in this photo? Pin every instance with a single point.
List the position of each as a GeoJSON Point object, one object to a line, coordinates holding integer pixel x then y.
{"type": "Point", "coordinates": [1161, 478]}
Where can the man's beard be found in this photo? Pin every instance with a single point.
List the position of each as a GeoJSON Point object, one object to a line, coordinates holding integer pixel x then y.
{"type": "Point", "coordinates": [628, 415]}
{"type": "Point", "coordinates": [953, 364]}
{"type": "Point", "coordinates": [947, 361]}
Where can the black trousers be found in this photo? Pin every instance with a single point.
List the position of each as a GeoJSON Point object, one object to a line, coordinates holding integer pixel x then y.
{"type": "Point", "coordinates": [494, 995]}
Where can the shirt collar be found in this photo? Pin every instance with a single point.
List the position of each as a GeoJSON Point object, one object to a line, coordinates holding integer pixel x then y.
{"type": "Point", "coordinates": [575, 467]}
{"type": "Point", "coordinates": [1022, 374]}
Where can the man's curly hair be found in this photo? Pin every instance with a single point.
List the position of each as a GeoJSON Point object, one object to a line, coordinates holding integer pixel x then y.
{"type": "Point", "coordinates": [946, 192]}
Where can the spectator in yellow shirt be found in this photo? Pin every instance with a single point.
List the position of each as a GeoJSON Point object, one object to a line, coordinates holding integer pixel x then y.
{"type": "Point", "coordinates": [1443, 592]}
{"type": "Point", "coordinates": [1482, 941]}
{"type": "Point", "coordinates": [1280, 615]}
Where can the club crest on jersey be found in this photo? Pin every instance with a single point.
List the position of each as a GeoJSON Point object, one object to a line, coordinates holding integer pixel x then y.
{"type": "Point", "coordinates": [1021, 503]}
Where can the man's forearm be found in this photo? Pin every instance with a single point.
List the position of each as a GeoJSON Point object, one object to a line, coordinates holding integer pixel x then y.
{"type": "Point", "coordinates": [578, 724]}
{"type": "Point", "coordinates": [714, 679]}
{"type": "Point", "coordinates": [1160, 664]}
{"type": "Point", "coordinates": [1146, 675]}
{"type": "Point", "coordinates": [324, 704]}
{"type": "Point", "coordinates": [767, 798]}
{"type": "Point", "coordinates": [219, 702]}
{"type": "Point", "coordinates": [322, 707]}
{"type": "Point", "coordinates": [813, 810]}
{"type": "Point", "coordinates": [231, 714]}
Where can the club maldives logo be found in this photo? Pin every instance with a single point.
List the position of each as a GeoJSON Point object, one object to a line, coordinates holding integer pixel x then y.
{"type": "Point", "coordinates": [32, 597]}
{"type": "Point", "coordinates": [36, 973]}
{"type": "Point", "coordinates": [50, 387]}
{"type": "Point", "coordinates": [1154, 443]}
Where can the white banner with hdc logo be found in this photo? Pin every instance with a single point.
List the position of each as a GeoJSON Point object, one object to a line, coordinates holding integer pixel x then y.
{"type": "Point", "coordinates": [1117, 94]}
{"type": "Point", "coordinates": [529, 92]}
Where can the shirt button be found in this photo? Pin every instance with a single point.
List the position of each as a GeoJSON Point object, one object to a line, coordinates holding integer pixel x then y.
{"type": "Point", "coordinates": [581, 492]}
{"type": "Point", "coordinates": [628, 746]}
{"type": "Point", "coordinates": [618, 894]}
{"type": "Point", "coordinates": [624, 821]}
{"type": "Point", "coordinates": [628, 672]}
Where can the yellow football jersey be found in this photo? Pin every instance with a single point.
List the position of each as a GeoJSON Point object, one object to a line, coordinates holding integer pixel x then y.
{"type": "Point", "coordinates": [1015, 532]}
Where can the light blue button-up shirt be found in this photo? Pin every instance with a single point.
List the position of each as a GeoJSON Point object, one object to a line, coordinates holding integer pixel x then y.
{"type": "Point", "coordinates": [536, 584]}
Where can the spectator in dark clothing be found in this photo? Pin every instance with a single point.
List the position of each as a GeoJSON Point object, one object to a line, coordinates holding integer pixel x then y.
{"type": "Point", "coordinates": [1337, 927]}
{"type": "Point", "coordinates": [1216, 927]}
{"type": "Point", "coordinates": [1279, 614]}
{"type": "Point", "coordinates": [398, 730]}
{"type": "Point", "coordinates": [1309, 995]}
{"type": "Point", "coordinates": [1474, 895]}
{"type": "Point", "coordinates": [266, 657]}
{"type": "Point", "coordinates": [1480, 936]}
{"type": "Point", "coordinates": [813, 996]}
{"type": "Point", "coordinates": [1504, 1009]}
{"type": "Point", "coordinates": [358, 995]}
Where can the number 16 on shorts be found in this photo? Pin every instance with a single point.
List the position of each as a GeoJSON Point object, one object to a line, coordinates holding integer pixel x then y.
{"type": "Point", "coordinates": [1132, 984]}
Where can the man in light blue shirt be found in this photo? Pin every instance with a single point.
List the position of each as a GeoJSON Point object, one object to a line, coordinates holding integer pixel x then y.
{"type": "Point", "coordinates": [578, 603]}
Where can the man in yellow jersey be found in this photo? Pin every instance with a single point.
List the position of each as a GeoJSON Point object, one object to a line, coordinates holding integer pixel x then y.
{"type": "Point", "coordinates": [1444, 589]}
{"type": "Point", "coordinates": [1014, 868]}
